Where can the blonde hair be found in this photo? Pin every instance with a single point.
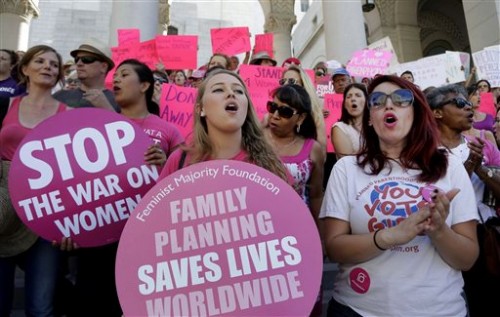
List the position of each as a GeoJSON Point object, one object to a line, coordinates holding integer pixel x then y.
{"type": "Point", "coordinates": [253, 142]}
{"type": "Point", "coordinates": [316, 106]}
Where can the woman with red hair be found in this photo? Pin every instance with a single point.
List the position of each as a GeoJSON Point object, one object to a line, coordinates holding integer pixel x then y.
{"type": "Point", "coordinates": [395, 221]}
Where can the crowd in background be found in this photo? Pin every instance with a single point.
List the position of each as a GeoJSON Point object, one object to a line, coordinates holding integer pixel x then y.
{"type": "Point", "coordinates": [388, 127]}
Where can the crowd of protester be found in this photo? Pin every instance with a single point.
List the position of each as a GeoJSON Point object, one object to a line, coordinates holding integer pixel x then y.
{"type": "Point", "coordinates": [417, 260]}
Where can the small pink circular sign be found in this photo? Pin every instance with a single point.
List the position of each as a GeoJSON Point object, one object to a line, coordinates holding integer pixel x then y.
{"type": "Point", "coordinates": [219, 238]}
{"type": "Point", "coordinates": [80, 174]}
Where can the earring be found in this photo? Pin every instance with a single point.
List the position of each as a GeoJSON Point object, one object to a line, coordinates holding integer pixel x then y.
{"type": "Point", "coordinates": [202, 113]}
{"type": "Point", "coordinates": [298, 128]}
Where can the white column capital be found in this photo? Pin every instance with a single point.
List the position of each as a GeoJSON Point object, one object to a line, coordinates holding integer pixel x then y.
{"type": "Point", "coordinates": [278, 22]}
{"type": "Point", "coordinates": [26, 9]}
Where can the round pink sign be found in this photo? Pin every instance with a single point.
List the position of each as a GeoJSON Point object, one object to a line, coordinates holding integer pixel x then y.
{"type": "Point", "coordinates": [80, 174]}
{"type": "Point", "coordinates": [219, 238]}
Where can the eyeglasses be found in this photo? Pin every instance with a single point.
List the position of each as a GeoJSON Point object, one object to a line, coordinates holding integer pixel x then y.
{"type": "Point", "coordinates": [72, 81]}
{"type": "Point", "coordinates": [161, 80]}
{"type": "Point", "coordinates": [459, 102]}
{"type": "Point", "coordinates": [287, 81]}
{"type": "Point", "coordinates": [87, 59]}
{"type": "Point", "coordinates": [320, 73]}
{"type": "Point", "coordinates": [401, 98]}
{"type": "Point", "coordinates": [283, 111]}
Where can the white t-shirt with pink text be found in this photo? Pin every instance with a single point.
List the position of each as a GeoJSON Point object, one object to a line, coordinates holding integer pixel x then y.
{"type": "Point", "coordinates": [406, 280]}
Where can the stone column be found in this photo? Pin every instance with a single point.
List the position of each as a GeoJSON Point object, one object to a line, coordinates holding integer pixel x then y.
{"type": "Point", "coordinates": [142, 15]}
{"type": "Point", "coordinates": [344, 29]}
{"type": "Point", "coordinates": [15, 18]}
{"type": "Point", "coordinates": [163, 17]}
{"type": "Point", "coordinates": [280, 21]}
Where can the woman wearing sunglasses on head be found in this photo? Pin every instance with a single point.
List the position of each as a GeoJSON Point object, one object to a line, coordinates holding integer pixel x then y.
{"type": "Point", "coordinates": [395, 220]}
{"type": "Point", "coordinates": [295, 75]}
{"type": "Point", "coordinates": [346, 133]}
{"type": "Point", "coordinates": [453, 114]}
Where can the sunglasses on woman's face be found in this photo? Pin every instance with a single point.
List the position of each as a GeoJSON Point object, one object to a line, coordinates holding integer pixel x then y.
{"type": "Point", "coordinates": [86, 59]}
{"type": "Point", "coordinates": [287, 81]}
{"type": "Point", "coordinates": [459, 102]}
{"type": "Point", "coordinates": [283, 111]}
{"type": "Point", "coordinates": [319, 73]}
{"type": "Point", "coordinates": [401, 98]}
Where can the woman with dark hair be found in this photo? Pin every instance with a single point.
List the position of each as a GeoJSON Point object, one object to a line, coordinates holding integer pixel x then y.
{"type": "Point", "coordinates": [296, 75]}
{"type": "Point", "coordinates": [9, 86]}
{"type": "Point", "coordinates": [133, 86]}
{"type": "Point", "coordinates": [292, 132]}
{"type": "Point", "coordinates": [483, 86]}
{"type": "Point", "coordinates": [453, 114]}
{"type": "Point", "coordinates": [482, 120]}
{"type": "Point", "coordinates": [180, 78]}
{"type": "Point", "coordinates": [40, 69]}
{"type": "Point", "coordinates": [394, 219]}
{"type": "Point", "coordinates": [225, 127]}
{"type": "Point", "coordinates": [346, 133]}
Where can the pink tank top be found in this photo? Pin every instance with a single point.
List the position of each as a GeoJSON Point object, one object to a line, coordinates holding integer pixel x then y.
{"type": "Point", "coordinates": [13, 132]}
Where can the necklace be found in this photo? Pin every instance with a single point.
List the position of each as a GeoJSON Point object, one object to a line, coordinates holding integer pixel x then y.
{"type": "Point", "coordinates": [281, 147]}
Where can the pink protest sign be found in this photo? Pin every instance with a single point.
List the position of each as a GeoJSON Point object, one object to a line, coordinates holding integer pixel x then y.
{"type": "Point", "coordinates": [368, 63]}
{"type": "Point", "coordinates": [128, 37]}
{"type": "Point", "coordinates": [177, 106]}
{"type": "Point", "coordinates": [118, 55]}
{"type": "Point", "coordinates": [230, 41]}
{"type": "Point", "coordinates": [324, 86]}
{"type": "Point", "coordinates": [261, 81]}
{"type": "Point", "coordinates": [147, 54]}
{"type": "Point", "coordinates": [80, 174]}
{"type": "Point", "coordinates": [486, 104]}
{"type": "Point", "coordinates": [178, 51]}
{"type": "Point", "coordinates": [219, 238]}
{"type": "Point", "coordinates": [333, 104]}
{"type": "Point", "coordinates": [264, 43]}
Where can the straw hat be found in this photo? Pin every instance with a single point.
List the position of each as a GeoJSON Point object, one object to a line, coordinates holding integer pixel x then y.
{"type": "Point", "coordinates": [15, 237]}
{"type": "Point", "coordinates": [96, 47]}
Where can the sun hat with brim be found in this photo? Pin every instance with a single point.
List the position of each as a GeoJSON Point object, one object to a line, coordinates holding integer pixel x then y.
{"type": "Point", "coordinates": [15, 237]}
{"type": "Point", "coordinates": [258, 57]}
{"type": "Point", "coordinates": [95, 47]}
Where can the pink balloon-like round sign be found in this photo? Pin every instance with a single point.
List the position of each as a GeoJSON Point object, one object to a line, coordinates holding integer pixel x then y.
{"type": "Point", "coordinates": [219, 238]}
{"type": "Point", "coordinates": [80, 174]}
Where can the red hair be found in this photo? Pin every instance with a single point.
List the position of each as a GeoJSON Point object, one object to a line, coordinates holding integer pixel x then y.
{"type": "Point", "coordinates": [421, 150]}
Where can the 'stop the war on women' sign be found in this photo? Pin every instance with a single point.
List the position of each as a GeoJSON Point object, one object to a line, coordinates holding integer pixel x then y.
{"type": "Point", "coordinates": [80, 174]}
{"type": "Point", "coordinates": [219, 238]}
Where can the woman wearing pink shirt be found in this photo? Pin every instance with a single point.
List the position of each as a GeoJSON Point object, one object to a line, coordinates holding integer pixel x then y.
{"type": "Point", "coordinates": [225, 127]}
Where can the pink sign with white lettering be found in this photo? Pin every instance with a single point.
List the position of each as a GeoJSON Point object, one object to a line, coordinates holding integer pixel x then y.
{"type": "Point", "coordinates": [80, 174]}
{"type": "Point", "coordinates": [219, 238]}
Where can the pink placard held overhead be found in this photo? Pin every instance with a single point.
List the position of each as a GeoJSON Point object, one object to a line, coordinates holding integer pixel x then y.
{"type": "Point", "coordinates": [230, 41]}
{"type": "Point", "coordinates": [128, 37]}
{"type": "Point", "coordinates": [178, 51]}
{"type": "Point", "coordinates": [219, 238]}
{"type": "Point", "coordinates": [177, 106]}
{"type": "Point", "coordinates": [333, 104]}
{"type": "Point", "coordinates": [260, 81]}
{"type": "Point", "coordinates": [118, 55]}
{"type": "Point", "coordinates": [147, 54]}
{"type": "Point", "coordinates": [264, 43]}
{"type": "Point", "coordinates": [487, 105]}
{"type": "Point", "coordinates": [368, 63]}
{"type": "Point", "coordinates": [80, 174]}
